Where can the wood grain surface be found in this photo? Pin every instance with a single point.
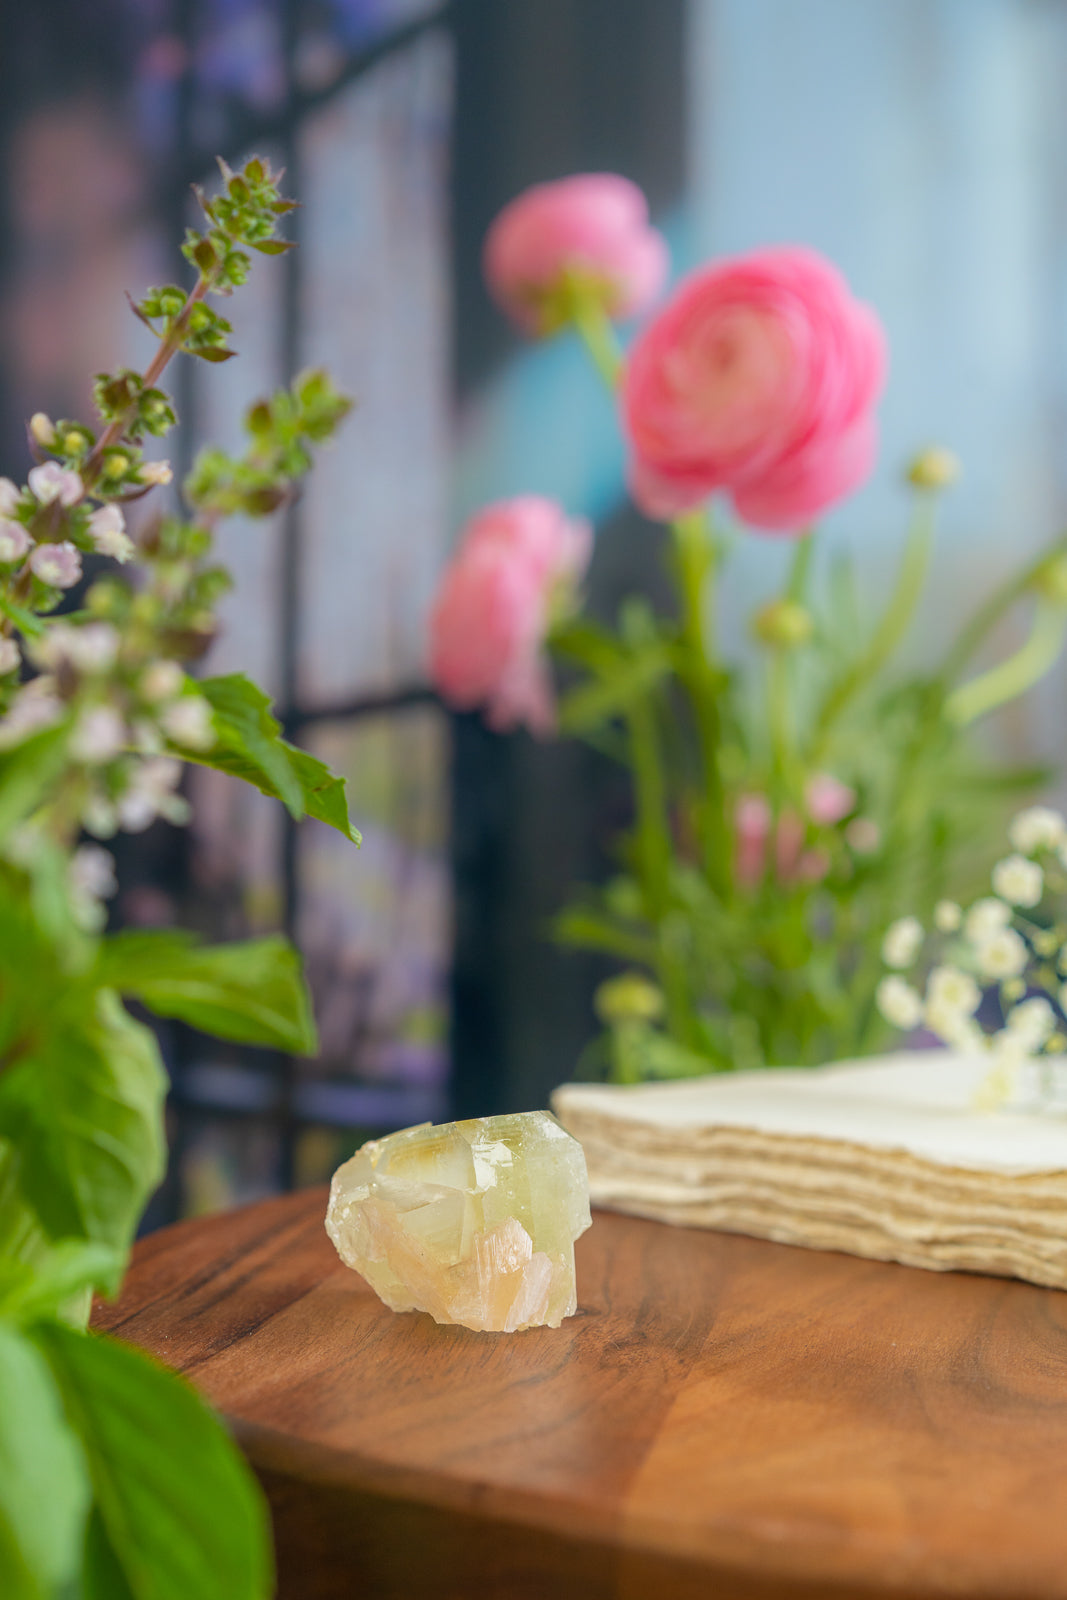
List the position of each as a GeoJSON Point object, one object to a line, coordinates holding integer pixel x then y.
{"type": "Point", "coordinates": [723, 1418]}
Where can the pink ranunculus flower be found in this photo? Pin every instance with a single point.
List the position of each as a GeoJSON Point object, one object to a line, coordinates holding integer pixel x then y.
{"type": "Point", "coordinates": [593, 229]}
{"type": "Point", "coordinates": [758, 378]}
{"type": "Point", "coordinates": [518, 561]}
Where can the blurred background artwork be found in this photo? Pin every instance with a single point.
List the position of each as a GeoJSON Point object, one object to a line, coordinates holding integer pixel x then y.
{"type": "Point", "coordinates": [918, 143]}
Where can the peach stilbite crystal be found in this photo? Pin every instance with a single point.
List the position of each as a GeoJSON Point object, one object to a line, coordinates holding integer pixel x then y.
{"type": "Point", "coordinates": [474, 1222]}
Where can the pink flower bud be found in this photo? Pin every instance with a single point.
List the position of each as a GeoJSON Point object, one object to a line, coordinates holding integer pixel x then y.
{"type": "Point", "coordinates": [591, 232]}
{"type": "Point", "coordinates": [759, 377]}
{"type": "Point", "coordinates": [828, 800]}
{"type": "Point", "coordinates": [53, 482]}
{"type": "Point", "coordinates": [752, 825]}
{"type": "Point", "coordinates": [9, 497]}
{"type": "Point", "coordinates": [14, 540]}
{"type": "Point", "coordinates": [57, 564]}
{"type": "Point", "coordinates": [518, 560]}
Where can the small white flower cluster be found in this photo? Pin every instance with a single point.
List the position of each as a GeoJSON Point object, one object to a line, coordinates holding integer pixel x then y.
{"type": "Point", "coordinates": [993, 944]}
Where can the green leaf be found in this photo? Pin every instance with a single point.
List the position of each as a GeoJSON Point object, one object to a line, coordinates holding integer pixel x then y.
{"type": "Point", "coordinates": [589, 705]}
{"type": "Point", "coordinates": [272, 247]}
{"type": "Point", "coordinates": [253, 992]}
{"type": "Point", "coordinates": [46, 1288]}
{"type": "Point", "coordinates": [248, 746]}
{"type": "Point", "coordinates": [44, 1486]}
{"type": "Point", "coordinates": [83, 1102]}
{"type": "Point", "coordinates": [27, 773]}
{"type": "Point", "coordinates": [182, 1514]}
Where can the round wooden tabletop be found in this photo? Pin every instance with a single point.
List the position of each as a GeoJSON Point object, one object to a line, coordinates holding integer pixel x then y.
{"type": "Point", "coordinates": [723, 1417]}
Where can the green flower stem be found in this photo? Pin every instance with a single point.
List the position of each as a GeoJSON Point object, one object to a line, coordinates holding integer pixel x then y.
{"type": "Point", "coordinates": [783, 757]}
{"type": "Point", "coordinates": [169, 346]}
{"type": "Point", "coordinates": [1018, 673]}
{"type": "Point", "coordinates": [695, 562]}
{"type": "Point", "coordinates": [891, 629]}
{"type": "Point", "coordinates": [596, 331]}
{"type": "Point", "coordinates": [997, 606]}
{"type": "Point", "coordinates": [654, 854]}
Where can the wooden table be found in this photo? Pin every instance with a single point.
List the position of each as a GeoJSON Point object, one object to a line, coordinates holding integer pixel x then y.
{"type": "Point", "coordinates": [723, 1418]}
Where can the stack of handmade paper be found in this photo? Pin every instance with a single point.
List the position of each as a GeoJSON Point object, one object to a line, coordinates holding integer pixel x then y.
{"type": "Point", "coordinates": [885, 1158]}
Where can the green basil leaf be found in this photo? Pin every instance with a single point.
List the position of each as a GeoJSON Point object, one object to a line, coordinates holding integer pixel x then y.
{"type": "Point", "coordinates": [182, 1514]}
{"type": "Point", "coordinates": [27, 772]}
{"type": "Point", "coordinates": [249, 746]}
{"type": "Point", "coordinates": [44, 1485]}
{"type": "Point", "coordinates": [253, 992]}
{"type": "Point", "coordinates": [84, 1104]}
{"type": "Point", "coordinates": [46, 1287]}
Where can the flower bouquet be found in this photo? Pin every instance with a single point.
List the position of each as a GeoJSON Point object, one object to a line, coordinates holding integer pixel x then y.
{"type": "Point", "coordinates": [786, 812]}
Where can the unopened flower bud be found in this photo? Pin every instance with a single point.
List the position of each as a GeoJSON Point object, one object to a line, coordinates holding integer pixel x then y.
{"type": "Point", "coordinates": [189, 722]}
{"type": "Point", "coordinates": [116, 465]}
{"type": "Point", "coordinates": [934, 468]}
{"type": "Point", "coordinates": [1051, 579]}
{"type": "Point", "coordinates": [163, 680]}
{"type": "Point", "coordinates": [107, 529]}
{"type": "Point", "coordinates": [628, 998]}
{"type": "Point", "coordinates": [14, 540]}
{"type": "Point", "coordinates": [783, 624]}
{"type": "Point", "coordinates": [53, 482]}
{"type": "Point", "coordinates": [10, 659]}
{"type": "Point", "coordinates": [43, 430]}
{"type": "Point", "coordinates": [863, 835]}
{"type": "Point", "coordinates": [9, 497]}
{"type": "Point", "coordinates": [57, 564]}
{"type": "Point", "coordinates": [155, 472]}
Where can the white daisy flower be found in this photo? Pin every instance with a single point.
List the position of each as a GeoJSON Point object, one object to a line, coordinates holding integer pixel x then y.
{"type": "Point", "coordinates": [899, 1003]}
{"type": "Point", "coordinates": [1001, 954]}
{"type": "Point", "coordinates": [902, 942]}
{"type": "Point", "coordinates": [950, 988]}
{"type": "Point", "coordinates": [947, 916]}
{"type": "Point", "coordinates": [1037, 828]}
{"type": "Point", "coordinates": [1019, 881]}
{"type": "Point", "coordinates": [1032, 1021]}
{"type": "Point", "coordinates": [985, 917]}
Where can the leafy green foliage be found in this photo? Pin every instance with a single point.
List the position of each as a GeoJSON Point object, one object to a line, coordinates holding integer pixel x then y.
{"type": "Point", "coordinates": [115, 1481]}
{"type": "Point", "coordinates": [181, 1520]}
{"type": "Point", "coordinates": [44, 1489]}
{"type": "Point", "coordinates": [250, 746]}
{"type": "Point", "coordinates": [252, 992]}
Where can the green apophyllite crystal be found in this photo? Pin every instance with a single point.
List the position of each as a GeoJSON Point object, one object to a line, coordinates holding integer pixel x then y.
{"type": "Point", "coordinates": [474, 1222]}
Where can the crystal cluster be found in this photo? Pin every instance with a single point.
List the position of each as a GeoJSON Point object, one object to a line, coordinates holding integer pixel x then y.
{"type": "Point", "coordinates": [474, 1222]}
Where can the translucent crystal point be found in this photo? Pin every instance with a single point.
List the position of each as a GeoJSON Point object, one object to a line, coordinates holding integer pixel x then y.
{"type": "Point", "coordinates": [474, 1222]}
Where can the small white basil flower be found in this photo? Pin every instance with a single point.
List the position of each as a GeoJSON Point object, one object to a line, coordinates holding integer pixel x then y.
{"type": "Point", "coordinates": [90, 648]}
{"type": "Point", "coordinates": [14, 540]}
{"type": "Point", "coordinates": [57, 564]}
{"type": "Point", "coordinates": [1001, 954]}
{"type": "Point", "coordinates": [99, 736]}
{"type": "Point", "coordinates": [947, 916]}
{"type": "Point", "coordinates": [34, 707]}
{"type": "Point", "coordinates": [985, 917]}
{"type": "Point", "coordinates": [53, 482]}
{"type": "Point", "coordinates": [10, 657]}
{"type": "Point", "coordinates": [898, 1002]}
{"type": "Point", "coordinates": [92, 871]}
{"type": "Point", "coordinates": [107, 529]}
{"type": "Point", "coordinates": [155, 472]}
{"type": "Point", "coordinates": [188, 721]}
{"type": "Point", "coordinates": [1019, 881]}
{"type": "Point", "coordinates": [902, 942]}
{"type": "Point", "coordinates": [1037, 828]}
{"type": "Point", "coordinates": [163, 680]}
{"type": "Point", "coordinates": [151, 795]}
{"type": "Point", "coordinates": [10, 495]}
